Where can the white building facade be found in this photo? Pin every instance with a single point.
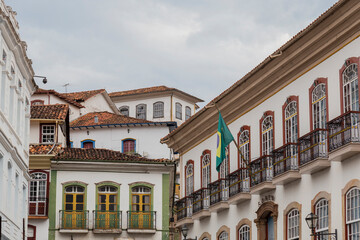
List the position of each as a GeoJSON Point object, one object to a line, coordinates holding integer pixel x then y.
{"type": "Point", "coordinates": [16, 87]}
{"type": "Point", "coordinates": [295, 117]}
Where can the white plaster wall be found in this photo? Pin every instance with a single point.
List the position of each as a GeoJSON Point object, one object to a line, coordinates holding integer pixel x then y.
{"type": "Point", "coordinates": [91, 178]}
{"type": "Point", "coordinates": [35, 134]}
{"type": "Point", "coordinates": [147, 139]}
{"type": "Point", "coordinates": [42, 228]}
{"type": "Point", "coordinates": [331, 180]}
{"type": "Point", "coordinates": [96, 103]}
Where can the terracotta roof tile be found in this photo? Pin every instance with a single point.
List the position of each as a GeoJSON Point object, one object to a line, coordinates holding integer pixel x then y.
{"type": "Point", "coordinates": [104, 118]}
{"type": "Point", "coordinates": [82, 96]}
{"type": "Point", "coordinates": [151, 90]}
{"type": "Point", "coordinates": [99, 154]}
{"type": "Point", "coordinates": [35, 149]}
{"type": "Point", "coordinates": [55, 111]}
{"type": "Point", "coordinates": [59, 95]}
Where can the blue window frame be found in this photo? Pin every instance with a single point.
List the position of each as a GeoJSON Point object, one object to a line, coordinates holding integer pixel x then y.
{"type": "Point", "coordinates": [88, 143]}
{"type": "Point", "coordinates": [128, 145]}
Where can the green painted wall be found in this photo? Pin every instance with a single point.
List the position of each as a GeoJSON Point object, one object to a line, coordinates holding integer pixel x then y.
{"type": "Point", "coordinates": [52, 205]}
{"type": "Point", "coordinates": [165, 205]}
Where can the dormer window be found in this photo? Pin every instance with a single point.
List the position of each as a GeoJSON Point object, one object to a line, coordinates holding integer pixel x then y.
{"type": "Point", "coordinates": [141, 111]}
{"type": "Point", "coordinates": [47, 133]}
{"type": "Point", "coordinates": [37, 102]}
{"type": "Point", "coordinates": [96, 119]}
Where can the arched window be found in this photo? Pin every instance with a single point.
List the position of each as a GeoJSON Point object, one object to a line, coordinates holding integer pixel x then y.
{"type": "Point", "coordinates": [244, 145]}
{"type": "Point", "coordinates": [350, 88]}
{"type": "Point", "coordinates": [224, 236]}
{"type": "Point", "coordinates": [107, 215]}
{"type": "Point", "coordinates": [38, 194]}
{"type": "Point", "coordinates": [178, 110]}
{"type": "Point", "coordinates": [293, 225]}
{"type": "Point", "coordinates": [124, 110]}
{"type": "Point", "coordinates": [318, 106]}
{"type": "Point", "coordinates": [74, 216]}
{"type": "Point", "coordinates": [37, 102]}
{"type": "Point", "coordinates": [205, 168]}
{"type": "Point", "coordinates": [128, 145]}
{"type": "Point", "coordinates": [187, 113]}
{"type": "Point", "coordinates": [224, 167]}
{"type": "Point", "coordinates": [267, 133]}
{"type": "Point", "coordinates": [322, 211]}
{"type": "Point", "coordinates": [290, 111]}
{"type": "Point", "coordinates": [353, 214]}
{"type": "Point", "coordinates": [244, 232]}
{"type": "Point", "coordinates": [158, 110]}
{"type": "Point", "coordinates": [107, 198]}
{"type": "Point", "coordinates": [141, 215]}
{"type": "Point", "coordinates": [189, 178]}
{"type": "Point", "coordinates": [88, 143]}
{"type": "Point", "coordinates": [141, 111]}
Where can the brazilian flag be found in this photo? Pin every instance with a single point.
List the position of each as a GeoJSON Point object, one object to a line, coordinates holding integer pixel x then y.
{"type": "Point", "coordinates": [224, 138]}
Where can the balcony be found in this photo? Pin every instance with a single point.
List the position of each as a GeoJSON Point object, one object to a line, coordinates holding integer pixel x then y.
{"type": "Point", "coordinates": [200, 204]}
{"type": "Point", "coordinates": [184, 211]}
{"type": "Point", "coordinates": [219, 195]}
{"type": "Point", "coordinates": [344, 136]}
{"type": "Point", "coordinates": [313, 151]}
{"type": "Point", "coordinates": [261, 175]}
{"type": "Point", "coordinates": [286, 164]}
{"type": "Point", "coordinates": [74, 221]}
{"type": "Point", "coordinates": [141, 222]}
{"type": "Point", "coordinates": [38, 207]}
{"type": "Point", "coordinates": [239, 186]}
{"type": "Point", "coordinates": [107, 221]}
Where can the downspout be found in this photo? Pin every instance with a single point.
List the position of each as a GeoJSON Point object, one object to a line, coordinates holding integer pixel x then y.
{"type": "Point", "coordinates": [171, 107]}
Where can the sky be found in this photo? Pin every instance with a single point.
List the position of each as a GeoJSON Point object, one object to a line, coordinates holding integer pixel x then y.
{"type": "Point", "coordinates": [201, 46]}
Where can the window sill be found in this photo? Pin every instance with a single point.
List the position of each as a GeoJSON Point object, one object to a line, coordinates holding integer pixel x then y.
{"type": "Point", "coordinates": [38, 217]}
{"type": "Point", "coordinates": [74, 230]}
{"type": "Point", "coordinates": [152, 231]}
{"type": "Point", "coordinates": [107, 230]}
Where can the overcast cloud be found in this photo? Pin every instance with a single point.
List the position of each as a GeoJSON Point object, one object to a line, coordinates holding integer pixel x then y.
{"type": "Point", "coordinates": [198, 46]}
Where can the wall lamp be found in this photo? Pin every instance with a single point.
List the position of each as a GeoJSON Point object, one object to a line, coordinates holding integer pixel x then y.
{"type": "Point", "coordinates": [312, 221]}
{"type": "Point", "coordinates": [184, 231]}
{"type": "Point", "coordinates": [43, 78]}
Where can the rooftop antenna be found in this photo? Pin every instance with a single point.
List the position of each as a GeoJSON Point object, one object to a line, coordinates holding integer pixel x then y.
{"type": "Point", "coordinates": [65, 86]}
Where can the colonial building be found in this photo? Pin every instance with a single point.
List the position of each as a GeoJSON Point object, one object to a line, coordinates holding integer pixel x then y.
{"type": "Point", "coordinates": [296, 119]}
{"type": "Point", "coordinates": [105, 194]}
{"type": "Point", "coordinates": [158, 104]}
{"type": "Point", "coordinates": [49, 133]}
{"type": "Point", "coordinates": [16, 87]}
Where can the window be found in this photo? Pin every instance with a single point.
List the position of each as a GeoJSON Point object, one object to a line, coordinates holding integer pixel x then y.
{"type": "Point", "coordinates": [178, 109]}
{"type": "Point", "coordinates": [31, 233]}
{"type": "Point", "coordinates": [290, 111]}
{"type": "Point", "coordinates": [158, 110]}
{"type": "Point", "coordinates": [244, 145]}
{"type": "Point", "coordinates": [350, 88]}
{"type": "Point", "coordinates": [47, 133]}
{"type": "Point", "coordinates": [37, 102]}
{"type": "Point", "coordinates": [353, 214]}
{"type": "Point", "coordinates": [189, 178]}
{"type": "Point", "coordinates": [187, 113]}
{"type": "Point", "coordinates": [244, 232]}
{"type": "Point", "coordinates": [141, 215]}
{"type": "Point", "coordinates": [38, 193]}
{"type": "Point", "coordinates": [128, 145]}
{"type": "Point", "coordinates": [224, 167]}
{"type": "Point", "coordinates": [318, 104]}
{"type": "Point", "coordinates": [293, 225]}
{"type": "Point", "coordinates": [4, 57]}
{"type": "Point", "coordinates": [107, 215]}
{"type": "Point", "coordinates": [223, 236]}
{"type": "Point", "coordinates": [267, 133]}
{"type": "Point", "coordinates": [88, 143]}
{"type": "Point", "coordinates": [124, 110]}
{"type": "Point", "coordinates": [322, 211]}
{"type": "Point", "coordinates": [141, 111]}
{"type": "Point", "coordinates": [205, 168]}
{"type": "Point", "coordinates": [74, 216]}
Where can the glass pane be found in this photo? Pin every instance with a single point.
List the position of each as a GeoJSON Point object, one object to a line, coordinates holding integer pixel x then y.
{"type": "Point", "coordinates": [79, 207]}
{"type": "Point", "coordinates": [102, 198]}
{"type": "Point", "coordinates": [146, 207]}
{"type": "Point", "coordinates": [69, 198]}
{"type": "Point", "coordinates": [79, 198]}
{"type": "Point", "coordinates": [102, 207]}
{"type": "Point", "coordinates": [112, 198]}
{"type": "Point", "coordinates": [146, 199]}
{"type": "Point", "coordinates": [135, 199]}
{"type": "Point", "coordinates": [69, 207]}
{"type": "Point", "coordinates": [112, 207]}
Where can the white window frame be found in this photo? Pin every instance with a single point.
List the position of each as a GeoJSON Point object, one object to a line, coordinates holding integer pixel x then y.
{"type": "Point", "coordinates": [267, 135]}
{"type": "Point", "coordinates": [350, 88]}
{"type": "Point", "coordinates": [187, 113]}
{"type": "Point", "coordinates": [158, 110]}
{"type": "Point", "coordinates": [318, 105]}
{"type": "Point", "coordinates": [38, 190]}
{"type": "Point", "coordinates": [291, 123]}
{"type": "Point", "coordinates": [124, 108]}
{"type": "Point", "coordinates": [244, 232]}
{"type": "Point", "coordinates": [353, 213]}
{"type": "Point", "coordinates": [178, 111]}
{"type": "Point", "coordinates": [48, 134]}
{"type": "Point", "coordinates": [293, 224]}
{"type": "Point", "coordinates": [189, 179]}
{"type": "Point", "coordinates": [244, 140]}
{"type": "Point", "coordinates": [205, 160]}
{"type": "Point", "coordinates": [322, 211]}
{"type": "Point", "coordinates": [224, 235]}
{"type": "Point", "coordinates": [141, 111]}
{"type": "Point", "coordinates": [224, 166]}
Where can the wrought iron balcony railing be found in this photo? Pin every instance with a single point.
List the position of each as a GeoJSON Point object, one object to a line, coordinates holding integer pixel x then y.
{"type": "Point", "coordinates": [238, 182]}
{"type": "Point", "coordinates": [38, 206]}
{"type": "Point", "coordinates": [313, 145]}
{"type": "Point", "coordinates": [200, 200]}
{"type": "Point", "coordinates": [261, 170]}
{"type": "Point", "coordinates": [184, 208]}
{"type": "Point", "coordinates": [218, 191]}
{"type": "Point", "coordinates": [74, 219]}
{"type": "Point", "coordinates": [141, 220]}
{"type": "Point", "coordinates": [344, 129]}
{"type": "Point", "coordinates": [107, 219]}
{"type": "Point", "coordinates": [286, 158]}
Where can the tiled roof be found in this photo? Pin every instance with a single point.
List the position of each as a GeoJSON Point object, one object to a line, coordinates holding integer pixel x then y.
{"type": "Point", "coordinates": [102, 155]}
{"type": "Point", "coordinates": [54, 111]}
{"type": "Point", "coordinates": [59, 95]}
{"type": "Point", "coordinates": [150, 90]}
{"type": "Point", "coordinates": [104, 118]}
{"type": "Point", "coordinates": [83, 96]}
{"type": "Point", "coordinates": [35, 149]}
